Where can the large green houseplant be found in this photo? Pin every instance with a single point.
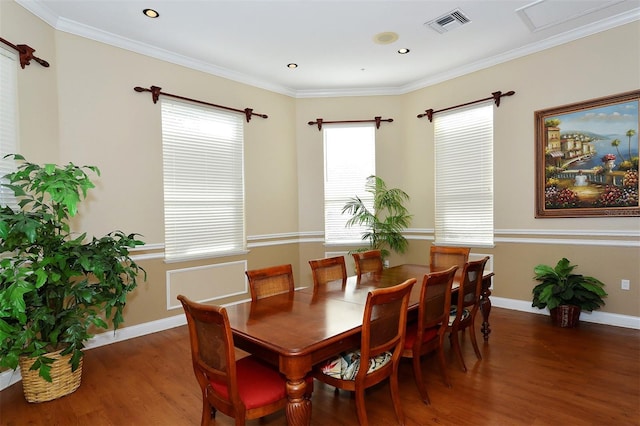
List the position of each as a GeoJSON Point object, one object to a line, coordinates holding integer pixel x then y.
{"type": "Point", "coordinates": [56, 287]}
{"type": "Point", "coordinates": [566, 293]}
{"type": "Point", "coordinates": [386, 221]}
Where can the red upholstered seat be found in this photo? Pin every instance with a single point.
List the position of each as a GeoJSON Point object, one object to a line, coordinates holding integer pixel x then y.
{"type": "Point", "coordinates": [412, 332]}
{"type": "Point", "coordinates": [258, 384]}
{"type": "Point", "coordinates": [243, 389]}
{"type": "Point", "coordinates": [467, 307]}
{"type": "Point", "coordinates": [427, 333]}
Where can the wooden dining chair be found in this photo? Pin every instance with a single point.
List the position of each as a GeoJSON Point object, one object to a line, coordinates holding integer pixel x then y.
{"type": "Point", "coordinates": [427, 334]}
{"type": "Point", "coordinates": [270, 281]}
{"type": "Point", "coordinates": [443, 257]}
{"type": "Point", "coordinates": [243, 389]}
{"type": "Point", "coordinates": [368, 261]}
{"type": "Point", "coordinates": [382, 340]}
{"type": "Point", "coordinates": [463, 313]}
{"type": "Point", "coordinates": [328, 269]}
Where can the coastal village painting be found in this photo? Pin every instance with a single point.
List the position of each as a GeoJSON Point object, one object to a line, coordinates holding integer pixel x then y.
{"type": "Point", "coordinates": [587, 158]}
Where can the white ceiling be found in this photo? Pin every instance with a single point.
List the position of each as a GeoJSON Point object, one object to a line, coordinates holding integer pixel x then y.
{"type": "Point", "coordinates": [333, 41]}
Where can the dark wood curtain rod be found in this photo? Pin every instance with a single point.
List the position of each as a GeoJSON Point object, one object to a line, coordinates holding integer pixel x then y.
{"type": "Point", "coordinates": [155, 94]}
{"type": "Point", "coordinates": [377, 120]}
{"type": "Point", "coordinates": [26, 54]}
{"type": "Point", "coordinates": [495, 96]}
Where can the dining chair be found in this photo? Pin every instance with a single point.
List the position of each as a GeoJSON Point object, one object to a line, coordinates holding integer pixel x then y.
{"type": "Point", "coordinates": [427, 334]}
{"type": "Point", "coordinates": [368, 261]}
{"type": "Point", "coordinates": [381, 342]}
{"type": "Point", "coordinates": [443, 257]}
{"type": "Point", "coordinates": [463, 313]}
{"type": "Point", "coordinates": [243, 389]}
{"type": "Point", "coordinates": [328, 269]}
{"type": "Point", "coordinates": [270, 281]}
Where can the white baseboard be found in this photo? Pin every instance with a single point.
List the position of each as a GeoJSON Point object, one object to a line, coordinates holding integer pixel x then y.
{"type": "Point", "coordinates": [8, 378]}
{"type": "Point", "coordinates": [606, 318]}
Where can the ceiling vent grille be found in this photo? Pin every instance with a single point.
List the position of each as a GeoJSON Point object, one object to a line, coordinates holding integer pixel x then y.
{"type": "Point", "coordinates": [454, 19]}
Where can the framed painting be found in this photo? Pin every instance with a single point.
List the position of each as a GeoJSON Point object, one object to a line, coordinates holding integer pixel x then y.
{"type": "Point", "coordinates": [587, 158]}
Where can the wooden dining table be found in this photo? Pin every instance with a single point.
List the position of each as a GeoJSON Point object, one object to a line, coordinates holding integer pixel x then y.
{"type": "Point", "coordinates": [297, 331]}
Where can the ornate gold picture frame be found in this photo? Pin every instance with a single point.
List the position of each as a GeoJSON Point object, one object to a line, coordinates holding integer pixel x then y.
{"type": "Point", "coordinates": [587, 158]}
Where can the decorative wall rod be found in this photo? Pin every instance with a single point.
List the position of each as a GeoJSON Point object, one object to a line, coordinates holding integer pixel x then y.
{"type": "Point", "coordinates": [495, 96]}
{"type": "Point", "coordinates": [377, 120]}
{"type": "Point", "coordinates": [155, 94]}
{"type": "Point", "coordinates": [26, 54]}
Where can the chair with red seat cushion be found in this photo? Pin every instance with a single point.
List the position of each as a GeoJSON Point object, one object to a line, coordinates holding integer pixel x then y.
{"type": "Point", "coordinates": [328, 269]}
{"type": "Point", "coordinates": [269, 281]}
{"type": "Point", "coordinates": [381, 342]}
{"type": "Point", "coordinates": [368, 261]}
{"type": "Point", "coordinates": [427, 334]}
{"type": "Point", "coordinates": [444, 257]}
{"type": "Point", "coordinates": [243, 389]}
{"type": "Point", "coordinates": [463, 313]}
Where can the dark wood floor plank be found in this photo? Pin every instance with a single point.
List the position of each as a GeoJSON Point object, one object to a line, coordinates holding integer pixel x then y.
{"type": "Point", "coordinates": [531, 374]}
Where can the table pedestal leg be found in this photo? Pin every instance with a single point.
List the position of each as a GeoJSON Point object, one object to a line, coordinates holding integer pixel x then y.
{"type": "Point", "coordinates": [485, 307]}
{"type": "Point", "coordinates": [298, 408]}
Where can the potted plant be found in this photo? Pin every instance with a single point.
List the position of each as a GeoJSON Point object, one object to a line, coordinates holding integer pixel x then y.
{"type": "Point", "coordinates": [56, 287]}
{"type": "Point", "coordinates": [386, 221]}
{"type": "Point", "coordinates": [566, 294]}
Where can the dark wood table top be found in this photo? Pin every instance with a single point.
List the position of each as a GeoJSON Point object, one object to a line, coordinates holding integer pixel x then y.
{"type": "Point", "coordinates": [297, 331]}
{"type": "Point", "coordinates": [296, 325]}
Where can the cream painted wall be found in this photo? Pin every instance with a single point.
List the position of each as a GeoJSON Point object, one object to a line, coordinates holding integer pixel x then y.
{"type": "Point", "coordinates": [103, 121]}
{"type": "Point", "coordinates": [36, 84]}
{"type": "Point", "coordinates": [389, 146]}
{"type": "Point", "coordinates": [84, 109]}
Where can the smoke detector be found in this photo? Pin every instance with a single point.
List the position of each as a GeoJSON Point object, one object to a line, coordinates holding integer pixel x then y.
{"type": "Point", "coordinates": [445, 23]}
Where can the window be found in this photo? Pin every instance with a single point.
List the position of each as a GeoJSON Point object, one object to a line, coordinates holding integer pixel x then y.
{"type": "Point", "coordinates": [8, 120]}
{"type": "Point", "coordinates": [464, 176]}
{"type": "Point", "coordinates": [349, 158]}
{"type": "Point", "coordinates": [203, 181]}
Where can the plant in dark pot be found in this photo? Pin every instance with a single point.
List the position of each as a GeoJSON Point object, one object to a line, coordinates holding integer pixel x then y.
{"type": "Point", "coordinates": [384, 220]}
{"type": "Point", "coordinates": [566, 294]}
{"type": "Point", "coordinates": [56, 287]}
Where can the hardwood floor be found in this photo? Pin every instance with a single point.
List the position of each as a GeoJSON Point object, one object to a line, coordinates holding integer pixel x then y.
{"type": "Point", "coordinates": [531, 374]}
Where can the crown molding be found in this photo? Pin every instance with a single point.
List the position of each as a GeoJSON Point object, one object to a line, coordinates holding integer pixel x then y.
{"type": "Point", "coordinates": [39, 8]}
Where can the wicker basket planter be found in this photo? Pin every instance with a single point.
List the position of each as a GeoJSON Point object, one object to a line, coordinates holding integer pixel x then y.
{"type": "Point", "coordinates": [64, 381]}
{"type": "Point", "coordinates": [565, 316]}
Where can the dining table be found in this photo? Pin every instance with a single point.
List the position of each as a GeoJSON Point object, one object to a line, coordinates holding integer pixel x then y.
{"type": "Point", "coordinates": [295, 331]}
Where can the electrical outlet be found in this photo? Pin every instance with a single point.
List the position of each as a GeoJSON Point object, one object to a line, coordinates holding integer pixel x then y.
{"type": "Point", "coordinates": [624, 284]}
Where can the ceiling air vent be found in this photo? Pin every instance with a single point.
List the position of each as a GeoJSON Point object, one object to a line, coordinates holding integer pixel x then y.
{"type": "Point", "coordinates": [448, 22]}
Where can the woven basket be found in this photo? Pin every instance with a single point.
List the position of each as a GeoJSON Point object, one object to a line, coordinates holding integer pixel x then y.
{"type": "Point", "coordinates": [566, 316]}
{"type": "Point", "coordinates": [64, 381]}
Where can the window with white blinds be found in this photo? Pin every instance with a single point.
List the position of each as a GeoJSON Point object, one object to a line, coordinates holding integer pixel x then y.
{"type": "Point", "coordinates": [464, 176]}
{"type": "Point", "coordinates": [8, 121]}
{"type": "Point", "coordinates": [203, 159]}
{"type": "Point", "coordinates": [349, 158]}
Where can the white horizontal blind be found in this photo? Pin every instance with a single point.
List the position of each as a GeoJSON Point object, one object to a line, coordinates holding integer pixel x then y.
{"type": "Point", "coordinates": [203, 181]}
{"type": "Point", "coordinates": [8, 121]}
{"type": "Point", "coordinates": [349, 158]}
{"type": "Point", "coordinates": [464, 176]}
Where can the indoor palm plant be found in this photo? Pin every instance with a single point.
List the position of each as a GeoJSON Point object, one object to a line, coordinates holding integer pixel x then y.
{"type": "Point", "coordinates": [566, 294]}
{"type": "Point", "coordinates": [386, 221]}
{"type": "Point", "coordinates": [56, 286]}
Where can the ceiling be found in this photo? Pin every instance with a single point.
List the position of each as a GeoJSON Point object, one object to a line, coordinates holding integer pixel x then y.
{"type": "Point", "coordinates": [341, 47]}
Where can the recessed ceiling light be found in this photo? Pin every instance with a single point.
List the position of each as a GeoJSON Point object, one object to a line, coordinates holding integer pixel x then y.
{"type": "Point", "coordinates": [151, 13]}
{"type": "Point", "coordinates": [403, 51]}
{"type": "Point", "coordinates": [385, 38]}
{"type": "Point", "coordinates": [292, 65]}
